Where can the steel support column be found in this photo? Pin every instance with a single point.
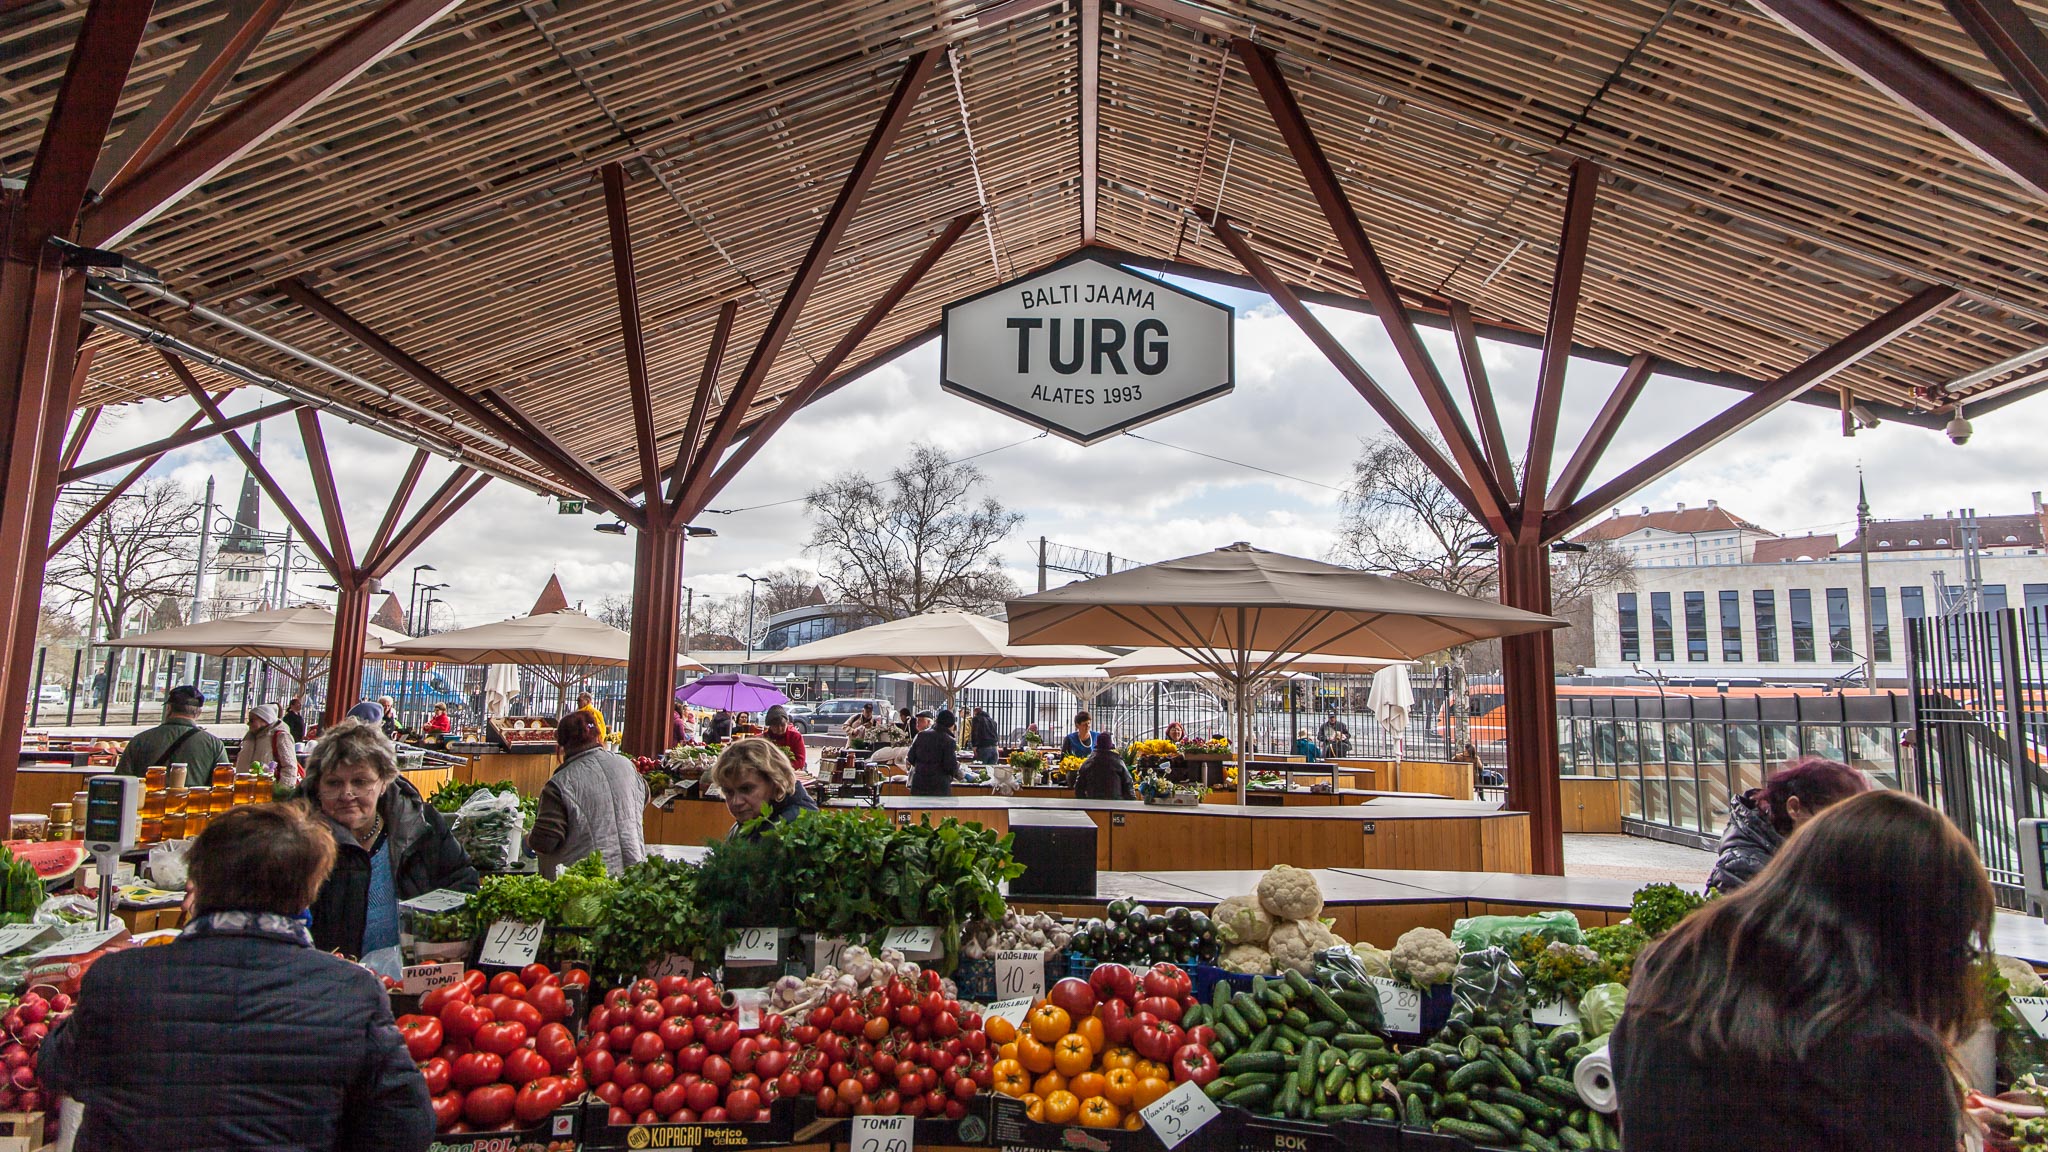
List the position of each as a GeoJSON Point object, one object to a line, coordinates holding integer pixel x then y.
{"type": "Point", "coordinates": [351, 639]}
{"type": "Point", "coordinates": [1529, 686]}
{"type": "Point", "coordinates": [657, 621]}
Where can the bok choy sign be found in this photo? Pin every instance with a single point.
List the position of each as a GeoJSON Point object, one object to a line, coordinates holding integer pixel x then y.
{"type": "Point", "coordinates": [1086, 349]}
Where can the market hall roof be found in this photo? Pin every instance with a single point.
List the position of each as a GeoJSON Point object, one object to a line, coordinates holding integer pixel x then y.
{"type": "Point", "coordinates": [1756, 202]}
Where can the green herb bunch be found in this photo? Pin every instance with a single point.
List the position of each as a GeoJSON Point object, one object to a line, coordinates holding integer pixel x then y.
{"type": "Point", "coordinates": [654, 914]}
{"type": "Point", "coordinates": [524, 898]}
{"type": "Point", "coordinates": [452, 794]}
{"type": "Point", "coordinates": [1554, 970]}
{"type": "Point", "coordinates": [1657, 908]}
{"type": "Point", "coordinates": [744, 882]}
{"type": "Point", "coordinates": [1617, 945]}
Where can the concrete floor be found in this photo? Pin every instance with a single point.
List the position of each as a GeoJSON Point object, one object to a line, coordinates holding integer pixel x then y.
{"type": "Point", "coordinates": [1635, 858]}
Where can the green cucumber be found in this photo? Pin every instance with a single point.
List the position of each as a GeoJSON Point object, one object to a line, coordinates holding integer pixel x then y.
{"type": "Point", "coordinates": [1414, 1114]}
{"type": "Point", "coordinates": [1495, 1117]}
{"type": "Point", "coordinates": [1601, 1131]}
{"type": "Point", "coordinates": [1334, 1081]}
{"type": "Point", "coordinates": [1524, 1038]}
{"type": "Point", "coordinates": [1286, 1047]}
{"type": "Point", "coordinates": [1252, 1097]}
{"type": "Point", "coordinates": [1295, 1034]}
{"type": "Point", "coordinates": [1270, 1079]}
{"type": "Point", "coordinates": [1559, 1087]}
{"type": "Point", "coordinates": [1219, 995]}
{"type": "Point", "coordinates": [1471, 1074]}
{"type": "Point", "coordinates": [1262, 1041]}
{"type": "Point", "coordinates": [1254, 1062]}
{"type": "Point", "coordinates": [1347, 1092]}
{"type": "Point", "coordinates": [1295, 1018]}
{"type": "Point", "coordinates": [1477, 1133]}
{"type": "Point", "coordinates": [1523, 1070]}
{"type": "Point", "coordinates": [1356, 1001]}
{"type": "Point", "coordinates": [1360, 1043]}
{"type": "Point", "coordinates": [1327, 1058]}
{"type": "Point", "coordinates": [1321, 1029]}
{"type": "Point", "coordinates": [1384, 1112]}
{"type": "Point", "coordinates": [1196, 1013]}
{"type": "Point", "coordinates": [1355, 1061]}
{"type": "Point", "coordinates": [1529, 1104]}
{"type": "Point", "coordinates": [1220, 1087]}
{"type": "Point", "coordinates": [1540, 1142]}
{"type": "Point", "coordinates": [1415, 1088]}
{"type": "Point", "coordinates": [1470, 1047]}
{"type": "Point", "coordinates": [1249, 1009]}
{"type": "Point", "coordinates": [1491, 1033]}
{"type": "Point", "coordinates": [1412, 1059]}
{"type": "Point", "coordinates": [1572, 1054]}
{"type": "Point", "coordinates": [1332, 1113]}
{"type": "Point", "coordinates": [1561, 1041]}
{"type": "Point", "coordinates": [1288, 1100]}
{"type": "Point", "coordinates": [1498, 1058]}
{"type": "Point", "coordinates": [1573, 1138]}
{"type": "Point", "coordinates": [1305, 1071]}
{"type": "Point", "coordinates": [1228, 1014]}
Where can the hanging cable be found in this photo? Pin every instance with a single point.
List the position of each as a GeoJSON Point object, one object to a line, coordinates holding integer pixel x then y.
{"type": "Point", "coordinates": [1238, 463]}
{"type": "Point", "coordinates": [871, 483]}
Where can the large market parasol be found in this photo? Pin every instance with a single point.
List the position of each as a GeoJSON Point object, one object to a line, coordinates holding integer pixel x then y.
{"type": "Point", "coordinates": [1389, 701]}
{"type": "Point", "coordinates": [732, 691]}
{"type": "Point", "coordinates": [294, 642]}
{"type": "Point", "coordinates": [946, 650]}
{"type": "Point", "coordinates": [1242, 613]}
{"type": "Point", "coordinates": [560, 647]}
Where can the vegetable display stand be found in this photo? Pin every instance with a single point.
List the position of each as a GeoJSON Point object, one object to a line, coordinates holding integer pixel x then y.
{"type": "Point", "coordinates": [776, 1127]}
{"type": "Point", "coordinates": [555, 1133]}
{"type": "Point", "coordinates": [1271, 1134]}
{"type": "Point", "coordinates": [1011, 1128]}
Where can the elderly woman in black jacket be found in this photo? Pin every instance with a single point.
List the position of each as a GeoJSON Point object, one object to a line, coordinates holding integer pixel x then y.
{"type": "Point", "coordinates": [391, 845]}
{"type": "Point", "coordinates": [1103, 776]}
{"type": "Point", "coordinates": [934, 757]}
{"type": "Point", "coordinates": [240, 1034]}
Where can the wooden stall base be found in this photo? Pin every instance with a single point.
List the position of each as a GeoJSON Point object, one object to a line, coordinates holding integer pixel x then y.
{"type": "Point", "coordinates": [529, 771]}
{"type": "Point", "coordinates": [1591, 804]}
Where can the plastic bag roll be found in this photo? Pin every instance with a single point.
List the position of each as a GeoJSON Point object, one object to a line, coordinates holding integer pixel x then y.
{"type": "Point", "coordinates": [1593, 1076]}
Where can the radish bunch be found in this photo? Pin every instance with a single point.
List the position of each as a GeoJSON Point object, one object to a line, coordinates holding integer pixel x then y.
{"type": "Point", "coordinates": [26, 1025]}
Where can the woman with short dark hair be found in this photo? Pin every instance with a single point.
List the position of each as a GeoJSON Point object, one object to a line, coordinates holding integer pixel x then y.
{"type": "Point", "coordinates": [934, 757]}
{"type": "Point", "coordinates": [1761, 818]}
{"type": "Point", "coordinates": [1815, 1008]}
{"type": "Point", "coordinates": [240, 1034]}
{"type": "Point", "coordinates": [594, 803]}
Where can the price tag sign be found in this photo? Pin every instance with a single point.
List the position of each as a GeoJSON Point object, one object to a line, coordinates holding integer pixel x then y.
{"type": "Point", "coordinates": [881, 1134]}
{"type": "Point", "coordinates": [825, 952]}
{"type": "Point", "coordinates": [15, 937]}
{"type": "Point", "coordinates": [2034, 1010]}
{"type": "Point", "coordinates": [912, 941]}
{"type": "Point", "coordinates": [437, 901]}
{"type": "Point", "coordinates": [753, 947]}
{"type": "Point", "coordinates": [1020, 973]}
{"type": "Point", "coordinates": [1012, 1010]}
{"type": "Point", "coordinates": [672, 965]}
{"type": "Point", "coordinates": [420, 979]}
{"type": "Point", "coordinates": [1179, 1114]}
{"type": "Point", "coordinates": [749, 1002]}
{"type": "Point", "coordinates": [1400, 1005]}
{"type": "Point", "coordinates": [80, 944]}
{"type": "Point", "coordinates": [511, 944]}
{"type": "Point", "coordinates": [1556, 1013]}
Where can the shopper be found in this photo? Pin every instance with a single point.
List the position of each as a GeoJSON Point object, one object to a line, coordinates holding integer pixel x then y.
{"type": "Point", "coordinates": [268, 742]}
{"type": "Point", "coordinates": [594, 802]}
{"type": "Point", "coordinates": [240, 1034]}
{"type": "Point", "coordinates": [682, 727]}
{"type": "Point", "coordinates": [981, 734]}
{"type": "Point", "coordinates": [934, 757]}
{"type": "Point", "coordinates": [1307, 749]}
{"type": "Point", "coordinates": [857, 726]}
{"type": "Point", "coordinates": [390, 722]}
{"type": "Point", "coordinates": [1335, 736]}
{"type": "Point", "coordinates": [390, 844]}
{"type": "Point", "coordinates": [178, 740]}
{"type": "Point", "coordinates": [295, 719]}
{"type": "Point", "coordinates": [780, 731]}
{"type": "Point", "coordinates": [1812, 1010]}
{"type": "Point", "coordinates": [1761, 818]}
{"type": "Point", "coordinates": [1104, 776]}
{"type": "Point", "coordinates": [757, 780]}
{"type": "Point", "coordinates": [1176, 733]}
{"type": "Point", "coordinates": [1080, 742]}
{"type": "Point", "coordinates": [369, 712]}
{"type": "Point", "coordinates": [440, 724]}
{"type": "Point", "coordinates": [587, 704]}
{"type": "Point", "coordinates": [720, 729]}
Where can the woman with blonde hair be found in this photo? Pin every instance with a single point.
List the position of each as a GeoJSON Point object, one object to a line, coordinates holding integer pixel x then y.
{"type": "Point", "coordinates": [756, 777]}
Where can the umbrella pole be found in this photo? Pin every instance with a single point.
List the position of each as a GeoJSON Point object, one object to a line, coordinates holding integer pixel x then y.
{"type": "Point", "coordinates": [1244, 767]}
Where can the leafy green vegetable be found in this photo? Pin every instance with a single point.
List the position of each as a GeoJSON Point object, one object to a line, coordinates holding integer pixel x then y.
{"type": "Point", "coordinates": [654, 914]}
{"type": "Point", "coordinates": [1555, 970]}
{"type": "Point", "coordinates": [450, 796]}
{"type": "Point", "coordinates": [1617, 945]}
{"type": "Point", "coordinates": [1600, 1009]}
{"type": "Point", "coordinates": [523, 898]}
{"type": "Point", "coordinates": [1657, 908]}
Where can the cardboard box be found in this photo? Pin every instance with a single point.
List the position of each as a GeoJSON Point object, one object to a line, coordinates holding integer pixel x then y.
{"type": "Point", "coordinates": [21, 1131]}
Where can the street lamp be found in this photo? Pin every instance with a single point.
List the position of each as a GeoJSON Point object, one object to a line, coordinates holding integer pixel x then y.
{"type": "Point", "coordinates": [689, 615]}
{"type": "Point", "coordinates": [412, 601]}
{"type": "Point", "coordinates": [753, 582]}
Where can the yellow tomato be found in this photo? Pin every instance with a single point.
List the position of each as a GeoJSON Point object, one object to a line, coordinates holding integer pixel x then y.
{"type": "Point", "coordinates": [1120, 1058]}
{"type": "Point", "coordinates": [1049, 1022]}
{"type": "Point", "coordinates": [1034, 1056]}
{"type": "Point", "coordinates": [1061, 1107]}
{"type": "Point", "coordinates": [1090, 1027]}
{"type": "Point", "coordinates": [1088, 1084]}
{"type": "Point", "coordinates": [1149, 1089]}
{"type": "Point", "coordinates": [1120, 1085]}
{"type": "Point", "coordinates": [1049, 1083]}
{"type": "Point", "coordinates": [1034, 1107]}
{"type": "Point", "coordinates": [1152, 1068]}
{"type": "Point", "coordinates": [1007, 1051]}
{"type": "Point", "coordinates": [1097, 1112]}
{"type": "Point", "coordinates": [1073, 1055]}
{"type": "Point", "coordinates": [999, 1030]}
{"type": "Point", "coordinates": [1011, 1079]}
{"type": "Point", "coordinates": [1133, 1122]}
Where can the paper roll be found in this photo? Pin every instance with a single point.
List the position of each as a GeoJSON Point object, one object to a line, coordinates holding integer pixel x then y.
{"type": "Point", "coordinates": [1594, 1078]}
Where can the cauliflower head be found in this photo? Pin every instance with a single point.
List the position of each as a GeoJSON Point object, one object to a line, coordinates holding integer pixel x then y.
{"type": "Point", "coordinates": [1424, 957]}
{"type": "Point", "coordinates": [1290, 893]}
{"type": "Point", "coordinates": [1240, 920]}
{"type": "Point", "coordinates": [2020, 975]}
{"type": "Point", "coordinates": [1375, 961]}
{"type": "Point", "coordinates": [1248, 959]}
{"type": "Point", "coordinates": [1294, 944]}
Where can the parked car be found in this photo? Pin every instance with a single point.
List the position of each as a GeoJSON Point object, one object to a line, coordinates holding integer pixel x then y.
{"type": "Point", "coordinates": [52, 694]}
{"type": "Point", "coordinates": [831, 715]}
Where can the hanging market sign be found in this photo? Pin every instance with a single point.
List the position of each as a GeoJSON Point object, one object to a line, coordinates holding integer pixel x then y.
{"type": "Point", "coordinates": [1086, 349]}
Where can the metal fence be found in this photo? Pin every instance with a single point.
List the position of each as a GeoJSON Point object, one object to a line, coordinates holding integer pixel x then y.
{"type": "Point", "coordinates": [1981, 682]}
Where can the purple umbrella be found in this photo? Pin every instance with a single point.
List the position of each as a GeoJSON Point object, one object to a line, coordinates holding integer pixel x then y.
{"type": "Point", "coordinates": [733, 691]}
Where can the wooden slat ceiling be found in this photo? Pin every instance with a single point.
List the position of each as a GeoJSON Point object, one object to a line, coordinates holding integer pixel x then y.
{"type": "Point", "coordinates": [1758, 203]}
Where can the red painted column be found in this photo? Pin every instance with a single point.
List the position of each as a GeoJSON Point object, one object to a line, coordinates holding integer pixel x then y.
{"type": "Point", "coordinates": [1529, 675]}
{"type": "Point", "coordinates": [657, 617]}
{"type": "Point", "coordinates": [345, 661]}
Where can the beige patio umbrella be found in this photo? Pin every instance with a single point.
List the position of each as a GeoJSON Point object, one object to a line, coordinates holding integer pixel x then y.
{"type": "Point", "coordinates": [294, 642]}
{"type": "Point", "coordinates": [560, 647]}
{"type": "Point", "coordinates": [946, 650]}
{"type": "Point", "coordinates": [1243, 613]}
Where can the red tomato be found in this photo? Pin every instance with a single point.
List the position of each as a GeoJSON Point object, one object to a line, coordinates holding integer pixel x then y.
{"type": "Point", "coordinates": [557, 1045]}
{"type": "Point", "coordinates": [1157, 1040]}
{"type": "Point", "coordinates": [672, 986]}
{"type": "Point", "coordinates": [1193, 1062]}
{"type": "Point", "coordinates": [504, 982]}
{"type": "Point", "coordinates": [1165, 979]}
{"type": "Point", "coordinates": [533, 974]}
{"type": "Point", "coordinates": [721, 1037]}
{"type": "Point", "coordinates": [550, 1001]}
{"type": "Point", "coordinates": [576, 978]}
{"type": "Point", "coordinates": [1074, 995]}
{"type": "Point", "coordinates": [524, 1013]}
{"type": "Point", "coordinates": [434, 1001]}
{"type": "Point", "coordinates": [598, 1065]}
{"type": "Point", "coordinates": [501, 1036]}
{"type": "Point", "coordinates": [422, 1035]}
{"type": "Point", "coordinates": [618, 1116]}
{"type": "Point", "coordinates": [1164, 1007]}
{"type": "Point", "coordinates": [626, 1074]}
{"type": "Point", "coordinates": [676, 1033]}
{"type": "Point", "coordinates": [671, 1100]}
{"type": "Point", "coordinates": [771, 1064]}
{"type": "Point", "coordinates": [701, 1096]}
{"type": "Point", "coordinates": [679, 1004]}
{"type": "Point", "coordinates": [490, 1105]}
{"type": "Point", "coordinates": [460, 1021]}
{"type": "Point", "coordinates": [474, 979]}
{"type": "Point", "coordinates": [538, 1098]}
{"type": "Point", "coordinates": [447, 1110]}
{"type": "Point", "coordinates": [1113, 982]}
{"type": "Point", "coordinates": [636, 1098]}
{"type": "Point", "coordinates": [647, 1046]}
{"type": "Point", "coordinates": [477, 1068]}
{"type": "Point", "coordinates": [647, 1014]}
{"type": "Point", "coordinates": [436, 1072]}
{"type": "Point", "coordinates": [525, 1064]}
{"type": "Point", "coordinates": [658, 1074]}
{"type": "Point", "coordinates": [743, 1105]}
{"type": "Point", "coordinates": [1116, 1017]}
{"type": "Point", "coordinates": [718, 1070]}
{"type": "Point", "coordinates": [645, 989]}
{"type": "Point", "coordinates": [609, 1092]}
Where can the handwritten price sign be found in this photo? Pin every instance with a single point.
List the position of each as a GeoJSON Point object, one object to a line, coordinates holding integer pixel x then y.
{"type": "Point", "coordinates": [1179, 1114]}
{"type": "Point", "coordinates": [912, 941]}
{"type": "Point", "coordinates": [1012, 1010]}
{"type": "Point", "coordinates": [881, 1134]}
{"type": "Point", "coordinates": [2034, 1010]}
{"type": "Point", "coordinates": [1555, 1013]}
{"type": "Point", "coordinates": [1020, 973]}
{"type": "Point", "coordinates": [1400, 1005]}
{"type": "Point", "coordinates": [753, 947]}
{"type": "Point", "coordinates": [511, 943]}
{"type": "Point", "coordinates": [673, 965]}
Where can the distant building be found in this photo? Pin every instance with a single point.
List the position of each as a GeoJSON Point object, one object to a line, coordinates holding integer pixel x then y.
{"type": "Point", "coordinates": [241, 568]}
{"type": "Point", "coordinates": [803, 625]}
{"type": "Point", "coordinates": [1791, 610]}
{"type": "Point", "coordinates": [1682, 536]}
{"type": "Point", "coordinates": [389, 614]}
{"type": "Point", "coordinates": [551, 598]}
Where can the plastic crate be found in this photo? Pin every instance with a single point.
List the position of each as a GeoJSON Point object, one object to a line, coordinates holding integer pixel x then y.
{"type": "Point", "coordinates": [557, 1133]}
{"type": "Point", "coordinates": [777, 1127]}
{"type": "Point", "coordinates": [1270, 1134]}
{"type": "Point", "coordinates": [976, 979]}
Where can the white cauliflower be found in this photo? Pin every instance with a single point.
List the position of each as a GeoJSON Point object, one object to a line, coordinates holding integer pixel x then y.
{"type": "Point", "coordinates": [1290, 893]}
{"type": "Point", "coordinates": [1375, 961]}
{"type": "Point", "coordinates": [1240, 920]}
{"type": "Point", "coordinates": [2020, 975]}
{"type": "Point", "coordinates": [1248, 960]}
{"type": "Point", "coordinates": [1295, 943]}
{"type": "Point", "coordinates": [1424, 957]}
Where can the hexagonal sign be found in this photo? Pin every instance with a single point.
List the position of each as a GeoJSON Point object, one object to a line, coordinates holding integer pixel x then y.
{"type": "Point", "coordinates": [1086, 349]}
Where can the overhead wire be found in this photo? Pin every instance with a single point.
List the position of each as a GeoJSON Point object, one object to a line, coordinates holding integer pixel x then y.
{"type": "Point", "coordinates": [871, 483]}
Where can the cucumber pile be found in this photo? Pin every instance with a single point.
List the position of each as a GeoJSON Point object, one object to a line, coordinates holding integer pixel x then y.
{"type": "Point", "coordinates": [1293, 1050]}
{"type": "Point", "coordinates": [1500, 1087]}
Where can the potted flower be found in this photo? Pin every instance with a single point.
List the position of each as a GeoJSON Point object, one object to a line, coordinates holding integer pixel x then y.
{"type": "Point", "coordinates": [1028, 764]}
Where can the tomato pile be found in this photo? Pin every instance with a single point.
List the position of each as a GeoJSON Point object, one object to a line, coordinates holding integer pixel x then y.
{"type": "Point", "coordinates": [495, 1052]}
{"type": "Point", "coordinates": [899, 1050]}
{"type": "Point", "coordinates": [27, 1024]}
{"type": "Point", "coordinates": [1095, 1051]}
{"type": "Point", "coordinates": [668, 1051]}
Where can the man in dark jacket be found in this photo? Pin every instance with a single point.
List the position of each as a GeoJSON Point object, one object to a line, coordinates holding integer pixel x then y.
{"type": "Point", "coordinates": [981, 736]}
{"type": "Point", "coordinates": [240, 1034]}
{"type": "Point", "coordinates": [178, 740]}
{"type": "Point", "coordinates": [1104, 776]}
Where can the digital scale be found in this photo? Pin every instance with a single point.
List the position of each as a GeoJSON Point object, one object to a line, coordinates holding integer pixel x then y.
{"type": "Point", "coordinates": [2034, 865]}
{"type": "Point", "coordinates": [112, 817]}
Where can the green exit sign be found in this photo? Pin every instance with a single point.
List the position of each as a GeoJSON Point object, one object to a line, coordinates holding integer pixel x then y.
{"type": "Point", "coordinates": [567, 507]}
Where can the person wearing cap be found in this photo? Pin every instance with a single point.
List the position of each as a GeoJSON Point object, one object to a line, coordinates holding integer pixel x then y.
{"type": "Point", "coordinates": [178, 740]}
{"type": "Point", "coordinates": [268, 742]}
{"type": "Point", "coordinates": [781, 732]}
{"type": "Point", "coordinates": [369, 712]}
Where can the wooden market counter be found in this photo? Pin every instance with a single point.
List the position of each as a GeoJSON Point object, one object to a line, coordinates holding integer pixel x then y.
{"type": "Point", "coordinates": [527, 769]}
{"type": "Point", "coordinates": [35, 789]}
{"type": "Point", "coordinates": [1382, 831]}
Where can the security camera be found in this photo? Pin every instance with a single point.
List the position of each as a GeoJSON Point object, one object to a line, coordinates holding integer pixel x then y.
{"type": "Point", "coordinates": [1865, 418]}
{"type": "Point", "coordinates": [1959, 427]}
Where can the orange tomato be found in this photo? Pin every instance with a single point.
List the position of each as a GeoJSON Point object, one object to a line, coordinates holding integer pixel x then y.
{"type": "Point", "coordinates": [1034, 1107]}
{"type": "Point", "coordinates": [999, 1030]}
{"type": "Point", "coordinates": [1133, 1122]}
{"type": "Point", "coordinates": [1035, 1057]}
{"type": "Point", "coordinates": [1061, 1107]}
{"type": "Point", "coordinates": [1091, 1028]}
{"type": "Point", "coordinates": [1088, 1084]}
{"type": "Point", "coordinates": [1120, 1085]}
{"type": "Point", "coordinates": [1153, 1069]}
{"type": "Point", "coordinates": [1048, 1022]}
{"type": "Point", "coordinates": [1049, 1083]}
{"type": "Point", "coordinates": [1097, 1112]}
{"type": "Point", "coordinates": [1072, 1054]}
{"type": "Point", "coordinates": [1011, 1079]}
{"type": "Point", "coordinates": [1149, 1089]}
{"type": "Point", "coordinates": [1120, 1058]}
{"type": "Point", "coordinates": [1007, 1051]}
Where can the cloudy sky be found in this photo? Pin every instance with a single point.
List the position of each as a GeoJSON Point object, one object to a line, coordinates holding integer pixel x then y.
{"type": "Point", "coordinates": [1150, 498]}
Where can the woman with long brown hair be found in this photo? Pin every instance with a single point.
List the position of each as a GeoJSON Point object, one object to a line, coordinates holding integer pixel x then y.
{"type": "Point", "coordinates": [1814, 1008]}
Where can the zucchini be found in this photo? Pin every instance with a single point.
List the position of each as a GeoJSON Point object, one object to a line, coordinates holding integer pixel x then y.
{"type": "Point", "coordinates": [1252, 1097]}
{"type": "Point", "coordinates": [1332, 1113]}
{"type": "Point", "coordinates": [1254, 1062]}
{"type": "Point", "coordinates": [1477, 1133]}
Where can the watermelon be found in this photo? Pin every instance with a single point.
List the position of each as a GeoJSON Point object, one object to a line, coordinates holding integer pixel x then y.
{"type": "Point", "coordinates": [53, 860]}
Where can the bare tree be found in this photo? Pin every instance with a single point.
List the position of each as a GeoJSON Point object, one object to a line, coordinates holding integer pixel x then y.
{"type": "Point", "coordinates": [914, 542]}
{"type": "Point", "coordinates": [787, 588]}
{"type": "Point", "coordinates": [616, 611]}
{"type": "Point", "coordinates": [138, 554]}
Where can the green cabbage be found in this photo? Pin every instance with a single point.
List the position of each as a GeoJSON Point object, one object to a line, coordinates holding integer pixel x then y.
{"type": "Point", "coordinates": [1600, 1008]}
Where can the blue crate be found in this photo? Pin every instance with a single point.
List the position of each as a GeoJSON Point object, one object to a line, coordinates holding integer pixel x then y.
{"type": "Point", "coordinates": [976, 979]}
